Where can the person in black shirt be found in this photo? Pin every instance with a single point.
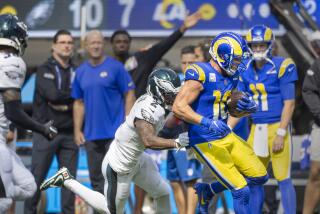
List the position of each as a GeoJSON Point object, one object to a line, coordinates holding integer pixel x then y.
{"type": "Point", "coordinates": [311, 96]}
{"type": "Point", "coordinates": [52, 101]}
{"type": "Point", "coordinates": [141, 63]}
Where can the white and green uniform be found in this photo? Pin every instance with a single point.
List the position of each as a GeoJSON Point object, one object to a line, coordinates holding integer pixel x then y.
{"type": "Point", "coordinates": [17, 181]}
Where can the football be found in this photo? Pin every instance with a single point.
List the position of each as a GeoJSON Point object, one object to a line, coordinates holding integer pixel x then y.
{"type": "Point", "coordinates": [232, 104]}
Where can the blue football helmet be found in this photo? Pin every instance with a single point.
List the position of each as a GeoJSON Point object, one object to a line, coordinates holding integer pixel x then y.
{"type": "Point", "coordinates": [260, 34]}
{"type": "Point", "coordinates": [229, 50]}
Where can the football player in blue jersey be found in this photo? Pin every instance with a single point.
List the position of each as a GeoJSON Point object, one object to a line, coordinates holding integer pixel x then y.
{"type": "Point", "coordinates": [202, 103]}
{"type": "Point", "coordinates": [271, 82]}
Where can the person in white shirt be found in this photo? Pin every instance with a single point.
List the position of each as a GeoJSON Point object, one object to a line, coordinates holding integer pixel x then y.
{"type": "Point", "coordinates": [16, 182]}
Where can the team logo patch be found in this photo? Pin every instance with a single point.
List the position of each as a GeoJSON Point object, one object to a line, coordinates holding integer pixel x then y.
{"type": "Point", "coordinates": [131, 63]}
{"type": "Point", "coordinates": [310, 72]}
{"type": "Point", "coordinates": [130, 84]}
{"type": "Point", "coordinates": [273, 71]}
{"type": "Point", "coordinates": [103, 74]}
{"type": "Point", "coordinates": [212, 77]}
{"type": "Point", "coordinates": [147, 116]}
{"type": "Point", "coordinates": [190, 172]}
{"type": "Point", "coordinates": [48, 76]}
{"type": "Point", "coordinates": [13, 75]}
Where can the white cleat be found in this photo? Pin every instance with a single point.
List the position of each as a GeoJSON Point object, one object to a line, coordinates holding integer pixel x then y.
{"type": "Point", "coordinates": [57, 179]}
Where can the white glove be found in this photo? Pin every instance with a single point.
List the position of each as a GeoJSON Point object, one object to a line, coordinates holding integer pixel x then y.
{"type": "Point", "coordinates": [182, 140]}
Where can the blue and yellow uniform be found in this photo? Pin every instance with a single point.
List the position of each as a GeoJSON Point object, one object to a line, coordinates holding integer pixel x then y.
{"type": "Point", "coordinates": [230, 159]}
{"type": "Point", "coordinates": [269, 88]}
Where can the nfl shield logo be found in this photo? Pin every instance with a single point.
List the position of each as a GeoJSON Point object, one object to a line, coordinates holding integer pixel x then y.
{"type": "Point", "coordinates": [212, 77]}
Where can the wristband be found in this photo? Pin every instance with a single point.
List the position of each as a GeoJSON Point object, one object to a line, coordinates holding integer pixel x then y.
{"type": "Point", "coordinates": [281, 132]}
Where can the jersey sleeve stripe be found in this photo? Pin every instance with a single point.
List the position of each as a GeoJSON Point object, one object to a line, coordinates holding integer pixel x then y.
{"type": "Point", "coordinates": [200, 71]}
{"type": "Point", "coordinates": [284, 65]}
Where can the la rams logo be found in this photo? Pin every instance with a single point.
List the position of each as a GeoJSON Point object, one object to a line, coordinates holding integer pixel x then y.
{"type": "Point", "coordinates": [103, 74]}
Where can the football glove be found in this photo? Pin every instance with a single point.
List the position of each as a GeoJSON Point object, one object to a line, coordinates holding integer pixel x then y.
{"type": "Point", "coordinates": [218, 127]}
{"type": "Point", "coordinates": [182, 140]}
{"type": "Point", "coordinates": [49, 130]}
{"type": "Point", "coordinates": [247, 104]}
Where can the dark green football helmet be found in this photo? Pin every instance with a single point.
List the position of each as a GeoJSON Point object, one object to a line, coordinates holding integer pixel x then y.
{"type": "Point", "coordinates": [13, 33]}
{"type": "Point", "coordinates": [164, 85]}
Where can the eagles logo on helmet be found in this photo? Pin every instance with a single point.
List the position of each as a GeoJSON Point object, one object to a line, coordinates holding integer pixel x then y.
{"type": "Point", "coordinates": [164, 85]}
{"type": "Point", "coordinates": [13, 33]}
{"type": "Point", "coordinates": [228, 50]}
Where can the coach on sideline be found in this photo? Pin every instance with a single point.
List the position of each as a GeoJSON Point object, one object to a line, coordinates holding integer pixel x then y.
{"type": "Point", "coordinates": [53, 101]}
{"type": "Point", "coordinates": [104, 94]}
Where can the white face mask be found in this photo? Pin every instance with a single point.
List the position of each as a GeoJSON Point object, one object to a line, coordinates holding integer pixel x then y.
{"type": "Point", "coordinates": [259, 56]}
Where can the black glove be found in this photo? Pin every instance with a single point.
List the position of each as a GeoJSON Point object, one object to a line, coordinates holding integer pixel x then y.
{"type": "Point", "coordinates": [49, 130]}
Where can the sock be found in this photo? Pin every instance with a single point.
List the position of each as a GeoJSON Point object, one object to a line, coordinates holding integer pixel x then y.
{"type": "Point", "coordinates": [217, 187]}
{"type": "Point", "coordinates": [256, 198]}
{"type": "Point", "coordinates": [93, 198]}
{"type": "Point", "coordinates": [288, 196]}
{"type": "Point", "coordinates": [256, 192]}
{"type": "Point", "coordinates": [241, 200]}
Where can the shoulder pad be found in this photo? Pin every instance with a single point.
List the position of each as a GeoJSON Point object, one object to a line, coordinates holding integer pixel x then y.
{"type": "Point", "coordinates": [12, 71]}
{"type": "Point", "coordinates": [287, 64]}
{"type": "Point", "coordinates": [196, 72]}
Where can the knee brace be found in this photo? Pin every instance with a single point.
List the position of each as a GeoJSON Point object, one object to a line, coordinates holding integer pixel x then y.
{"type": "Point", "coordinates": [257, 180]}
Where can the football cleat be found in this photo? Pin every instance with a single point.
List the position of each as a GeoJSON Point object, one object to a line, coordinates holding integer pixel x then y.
{"type": "Point", "coordinates": [205, 194]}
{"type": "Point", "coordinates": [57, 179]}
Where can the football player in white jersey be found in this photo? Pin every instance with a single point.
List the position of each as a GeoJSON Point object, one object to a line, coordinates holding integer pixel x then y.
{"type": "Point", "coordinates": [125, 161]}
{"type": "Point", "coordinates": [16, 182]}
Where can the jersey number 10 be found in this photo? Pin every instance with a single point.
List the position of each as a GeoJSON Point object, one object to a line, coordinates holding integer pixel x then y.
{"type": "Point", "coordinates": [219, 106]}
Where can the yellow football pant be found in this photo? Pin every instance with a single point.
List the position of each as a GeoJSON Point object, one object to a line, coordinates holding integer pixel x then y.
{"type": "Point", "coordinates": [281, 161]}
{"type": "Point", "coordinates": [230, 159]}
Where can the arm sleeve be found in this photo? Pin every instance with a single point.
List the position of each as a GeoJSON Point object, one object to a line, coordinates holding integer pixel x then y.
{"type": "Point", "coordinates": [77, 92]}
{"type": "Point", "coordinates": [287, 91]}
{"type": "Point", "coordinates": [124, 80]}
{"type": "Point", "coordinates": [310, 90]}
{"type": "Point", "coordinates": [47, 88]}
{"type": "Point", "coordinates": [155, 53]}
{"type": "Point", "coordinates": [15, 113]}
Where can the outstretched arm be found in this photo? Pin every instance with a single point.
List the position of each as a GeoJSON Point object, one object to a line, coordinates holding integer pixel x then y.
{"type": "Point", "coordinates": [158, 50]}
